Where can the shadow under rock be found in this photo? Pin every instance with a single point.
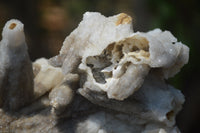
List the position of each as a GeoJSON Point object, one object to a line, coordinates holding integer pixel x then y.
{"type": "Point", "coordinates": [76, 112]}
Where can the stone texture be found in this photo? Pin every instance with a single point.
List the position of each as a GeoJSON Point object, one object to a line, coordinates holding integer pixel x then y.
{"type": "Point", "coordinates": [105, 79]}
{"type": "Point", "coordinates": [16, 74]}
{"type": "Point", "coordinates": [46, 77]}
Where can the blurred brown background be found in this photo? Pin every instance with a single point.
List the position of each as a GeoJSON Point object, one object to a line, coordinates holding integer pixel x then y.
{"type": "Point", "coordinates": [48, 22]}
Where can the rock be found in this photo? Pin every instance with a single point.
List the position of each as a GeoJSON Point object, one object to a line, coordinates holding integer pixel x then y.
{"type": "Point", "coordinates": [155, 101]}
{"type": "Point", "coordinates": [62, 95]}
{"type": "Point", "coordinates": [16, 74]}
{"type": "Point", "coordinates": [120, 67]}
{"type": "Point", "coordinates": [105, 79]}
{"type": "Point", "coordinates": [46, 77]}
{"type": "Point", "coordinates": [88, 35]}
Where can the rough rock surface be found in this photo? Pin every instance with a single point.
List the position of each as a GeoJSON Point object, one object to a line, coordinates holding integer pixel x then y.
{"type": "Point", "coordinates": [105, 79]}
{"type": "Point", "coordinates": [16, 74]}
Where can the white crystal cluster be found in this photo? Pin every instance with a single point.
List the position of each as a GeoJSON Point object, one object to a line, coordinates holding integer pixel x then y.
{"type": "Point", "coordinates": [125, 71]}
{"type": "Point", "coordinates": [106, 79]}
{"type": "Point", "coordinates": [115, 59]}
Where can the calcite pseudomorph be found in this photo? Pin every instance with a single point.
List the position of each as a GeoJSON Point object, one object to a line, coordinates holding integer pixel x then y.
{"type": "Point", "coordinates": [106, 78]}
{"type": "Point", "coordinates": [116, 59]}
{"type": "Point", "coordinates": [16, 74]}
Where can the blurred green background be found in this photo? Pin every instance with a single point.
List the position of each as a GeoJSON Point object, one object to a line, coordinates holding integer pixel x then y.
{"type": "Point", "coordinates": [48, 22]}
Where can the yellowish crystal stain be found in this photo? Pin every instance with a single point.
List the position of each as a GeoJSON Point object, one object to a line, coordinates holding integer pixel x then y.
{"type": "Point", "coordinates": [12, 26]}
{"type": "Point", "coordinates": [123, 19]}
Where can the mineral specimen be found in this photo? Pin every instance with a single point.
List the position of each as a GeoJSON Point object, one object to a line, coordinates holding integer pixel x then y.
{"type": "Point", "coordinates": [105, 79]}
{"type": "Point", "coordinates": [46, 77]}
{"type": "Point", "coordinates": [116, 59]}
{"type": "Point", "coordinates": [16, 74]}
